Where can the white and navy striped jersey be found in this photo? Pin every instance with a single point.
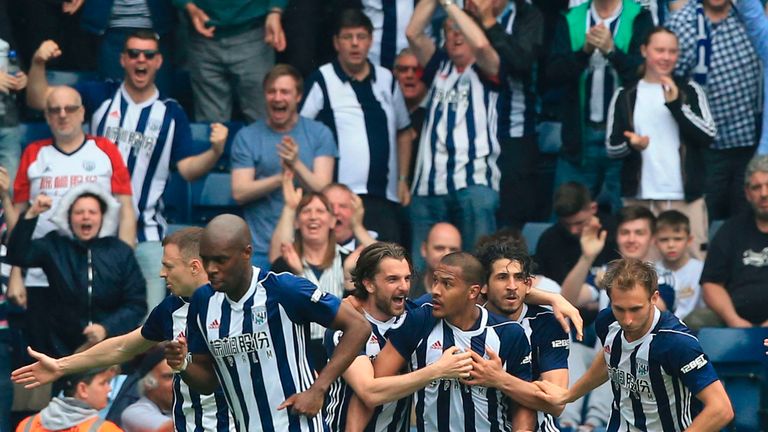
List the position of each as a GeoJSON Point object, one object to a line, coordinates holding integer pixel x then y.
{"type": "Point", "coordinates": [517, 107]}
{"type": "Point", "coordinates": [151, 136]}
{"type": "Point", "coordinates": [449, 405]}
{"type": "Point", "coordinates": [192, 412]}
{"type": "Point", "coordinates": [389, 19]}
{"type": "Point", "coordinates": [655, 377]}
{"type": "Point", "coordinates": [549, 349]}
{"type": "Point", "coordinates": [364, 117]}
{"type": "Point", "coordinates": [390, 417]}
{"type": "Point", "coordinates": [259, 346]}
{"type": "Point", "coordinates": [459, 144]}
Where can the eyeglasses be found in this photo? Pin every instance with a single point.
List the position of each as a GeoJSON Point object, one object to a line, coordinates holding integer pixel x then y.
{"type": "Point", "coordinates": [68, 109]}
{"type": "Point", "coordinates": [403, 68]}
{"type": "Point", "coordinates": [134, 53]}
{"type": "Point", "coordinates": [348, 37]}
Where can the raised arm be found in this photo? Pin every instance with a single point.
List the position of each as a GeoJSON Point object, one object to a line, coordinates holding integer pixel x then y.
{"type": "Point", "coordinates": [284, 229]}
{"type": "Point", "coordinates": [422, 45]}
{"type": "Point", "coordinates": [192, 168]}
{"type": "Point", "coordinates": [596, 375]}
{"type": "Point", "coordinates": [38, 88]}
{"type": "Point", "coordinates": [485, 55]}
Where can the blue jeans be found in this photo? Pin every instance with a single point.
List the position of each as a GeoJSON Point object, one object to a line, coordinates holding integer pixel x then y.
{"type": "Point", "coordinates": [149, 254]}
{"type": "Point", "coordinates": [597, 172]}
{"type": "Point", "coordinates": [10, 150]}
{"type": "Point", "coordinates": [472, 210]}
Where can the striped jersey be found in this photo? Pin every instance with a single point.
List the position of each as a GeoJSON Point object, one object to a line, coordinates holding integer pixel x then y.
{"type": "Point", "coordinates": [459, 144]}
{"type": "Point", "coordinates": [192, 412]}
{"type": "Point", "coordinates": [390, 417]}
{"type": "Point", "coordinates": [654, 378]}
{"type": "Point", "coordinates": [549, 349]}
{"type": "Point", "coordinates": [151, 136]}
{"type": "Point", "coordinates": [259, 346]}
{"type": "Point", "coordinates": [44, 168]}
{"type": "Point", "coordinates": [517, 109]}
{"type": "Point", "coordinates": [389, 19]}
{"type": "Point", "coordinates": [449, 405]}
{"type": "Point", "coordinates": [365, 117]}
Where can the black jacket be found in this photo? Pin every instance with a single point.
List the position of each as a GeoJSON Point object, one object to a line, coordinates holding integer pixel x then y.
{"type": "Point", "coordinates": [697, 131]}
{"type": "Point", "coordinates": [118, 297]}
{"type": "Point", "coordinates": [564, 67]}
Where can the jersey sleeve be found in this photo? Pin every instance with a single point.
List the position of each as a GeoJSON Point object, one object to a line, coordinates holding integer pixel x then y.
{"type": "Point", "coordinates": [196, 343]}
{"type": "Point", "coordinates": [602, 322]}
{"type": "Point", "coordinates": [325, 145]}
{"type": "Point", "coordinates": [303, 301]}
{"type": "Point", "coordinates": [242, 154]}
{"type": "Point", "coordinates": [21, 185]}
{"type": "Point", "coordinates": [121, 179]}
{"type": "Point", "coordinates": [685, 359]}
{"type": "Point", "coordinates": [551, 343]}
{"type": "Point", "coordinates": [183, 145]}
{"type": "Point", "coordinates": [154, 327]}
{"type": "Point", "coordinates": [93, 93]}
{"type": "Point", "coordinates": [313, 101]}
{"type": "Point", "coordinates": [406, 337]}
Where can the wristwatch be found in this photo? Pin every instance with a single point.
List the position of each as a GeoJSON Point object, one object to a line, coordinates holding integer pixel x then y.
{"type": "Point", "coordinates": [187, 361]}
{"type": "Point", "coordinates": [446, 3]}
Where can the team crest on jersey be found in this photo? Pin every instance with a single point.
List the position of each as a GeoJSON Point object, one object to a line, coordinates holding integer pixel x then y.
{"type": "Point", "coordinates": [89, 165]}
{"type": "Point", "coordinates": [642, 367]}
{"type": "Point", "coordinates": [317, 295]}
{"type": "Point", "coordinates": [259, 315]}
{"type": "Point", "coordinates": [373, 340]}
{"type": "Point", "coordinates": [337, 337]}
{"type": "Point", "coordinates": [154, 127]}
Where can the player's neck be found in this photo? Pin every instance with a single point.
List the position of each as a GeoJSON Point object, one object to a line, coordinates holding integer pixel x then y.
{"type": "Point", "coordinates": [284, 127]}
{"type": "Point", "coordinates": [677, 265]}
{"type": "Point", "coordinates": [606, 8]}
{"type": "Point", "coordinates": [314, 252]}
{"type": "Point", "coordinates": [466, 320]}
{"type": "Point", "coordinates": [140, 95]}
{"type": "Point", "coordinates": [643, 331]}
{"type": "Point", "coordinates": [243, 286]}
{"type": "Point", "coordinates": [70, 144]}
{"type": "Point", "coordinates": [372, 310]}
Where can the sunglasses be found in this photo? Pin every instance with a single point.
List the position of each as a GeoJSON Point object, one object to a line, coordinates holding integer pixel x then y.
{"type": "Point", "coordinates": [68, 109]}
{"type": "Point", "coordinates": [148, 53]}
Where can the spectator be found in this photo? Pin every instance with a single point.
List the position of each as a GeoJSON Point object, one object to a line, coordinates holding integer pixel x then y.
{"type": "Point", "coordinates": [661, 126]}
{"type": "Point", "coordinates": [152, 413]}
{"type": "Point", "coordinates": [152, 135]}
{"type": "Point", "coordinates": [359, 102]}
{"type": "Point", "coordinates": [673, 239]}
{"type": "Point", "coordinates": [408, 73]}
{"type": "Point", "coordinates": [231, 50]}
{"type": "Point", "coordinates": [515, 29]}
{"type": "Point", "coordinates": [457, 179]}
{"type": "Point", "coordinates": [260, 150]}
{"type": "Point", "coordinates": [96, 288]}
{"type": "Point", "coordinates": [113, 21]}
{"type": "Point", "coordinates": [736, 268]}
{"type": "Point", "coordinates": [716, 53]}
{"type": "Point", "coordinates": [752, 14]}
{"type": "Point", "coordinates": [558, 249]}
{"type": "Point", "coordinates": [349, 212]}
{"type": "Point", "coordinates": [442, 239]}
{"type": "Point", "coordinates": [10, 86]}
{"type": "Point", "coordinates": [596, 48]}
{"type": "Point", "coordinates": [389, 19]}
{"type": "Point", "coordinates": [310, 251]}
{"type": "Point", "coordinates": [78, 410]}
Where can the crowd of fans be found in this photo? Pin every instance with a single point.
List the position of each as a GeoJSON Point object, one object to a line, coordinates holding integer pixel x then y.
{"type": "Point", "coordinates": [429, 124]}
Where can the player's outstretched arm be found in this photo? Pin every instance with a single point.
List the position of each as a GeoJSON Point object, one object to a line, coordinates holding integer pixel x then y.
{"type": "Point", "coordinates": [522, 418]}
{"type": "Point", "coordinates": [198, 374]}
{"type": "Point", "coordinates": [376, 391]}
{"type": "Point", "coordinates": [356, 331]}
{"type": "Point", "coordinates": [561, 307]}
{"type": "Point", "coordinates": [108, 352]}
{"type": "Point", "coordinates": [717, 412]}
{"type": "Point", "coordinates": [491, 373]}
{"type": "Point", "coordinates": [596, 375]}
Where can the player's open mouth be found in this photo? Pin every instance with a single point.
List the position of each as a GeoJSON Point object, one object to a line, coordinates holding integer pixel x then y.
{"type": "Point", "coordinates": [141, 71]}
{"type": "Point", "coordinates": [86, 228]}
{"type": "Point", "coordinates": [279, 108]}
{"type": "Point", "coordinates": [398, 300]}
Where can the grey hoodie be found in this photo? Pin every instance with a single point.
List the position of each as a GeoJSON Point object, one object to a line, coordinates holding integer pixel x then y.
{"type": "Point", "coordinates": [65, 413]}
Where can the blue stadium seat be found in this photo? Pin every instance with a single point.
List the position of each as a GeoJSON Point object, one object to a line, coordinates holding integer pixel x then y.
{"type": "Point", "coordinates": [212, 196]}
{"type": "Point", "coordinates": [713, 227]}
{"type": "Point", "coordinates": [176, 204]}
{"type": "Point", "coordinates": [532, 231]}
{"type": "Point", "coordinates": [739, 357]}
{"type": "Point", "coordinates": [33, 132]}
{"type": "Point", "coordinates": [69, 78]}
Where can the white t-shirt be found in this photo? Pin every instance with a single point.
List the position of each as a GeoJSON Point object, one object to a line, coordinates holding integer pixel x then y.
{"type": "Point", "coordinates": [687, 288]}
{"type": "Point", "coordinates": [661, 178]}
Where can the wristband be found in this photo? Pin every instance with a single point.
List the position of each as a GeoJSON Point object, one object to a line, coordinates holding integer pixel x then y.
{"type": "Point", "coordinates": [184, 364]}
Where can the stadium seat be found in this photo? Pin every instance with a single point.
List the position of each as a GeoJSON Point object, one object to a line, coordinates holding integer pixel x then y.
{"type": "Point", "coordinates": [212, 196]}
{"type": "Point", "coordinates": [69, 78]}
{"type": "Point", "coordinates": [713, 227]}
{"type": "Point", "coordinates": [739, 357]}
{"type": "Point", "coordinates": [532, 231]}
{"type": "Point", "coordinates": [176, 204]}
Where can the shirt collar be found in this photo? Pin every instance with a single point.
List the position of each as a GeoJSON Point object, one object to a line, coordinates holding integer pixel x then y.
{"type": "Point", "coordinates": [343, 75]}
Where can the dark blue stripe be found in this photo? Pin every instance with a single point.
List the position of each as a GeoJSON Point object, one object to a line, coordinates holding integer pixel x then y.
{"type": "Point", "coordinates": [443, 393]}
{"type": "Point", "coordinates": [154, 161]}
{"type": "Point", "coordinates": [488, 172]}
{"type": "Point", "coordinates": [274, 322]}
{"type": "Point", "coordinates": [614, 359]}
{"type": "Point", "coordinates": [377, 132]}
{"type": "Point", "coordinates": [123, 109]}
{"type": "Point", "coordinates": [198, 409]}
{"type": "Point", "coordinates": [325, 115]}
{"type": "Point", "coordinates": [179, 420]}
{"type": "Point", "coordinates": [660, 392]}
{"type": "Point", "coordinates": [222, 411]}
{"type": "Point", "coordinates": [450, 146]}
{"type": "Point", "coordinates": [636, 397]}
{"type": "Point", "coordinates": [389, 34]}
{"type": "Point", "coordinates": [433, 144]}
{"type": "Point", "coordinates": [257, 376]}
{"type": "Point", "coordinates": [421, 361]}
{"type": "Point", "coordinates": [140, 128]}
{"type": "Point", "coordinates": [472, 134]}
{"type": "Point", "coordinates": [103, 121]}
{"type": "Point", "coordinates": [239, 398]}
